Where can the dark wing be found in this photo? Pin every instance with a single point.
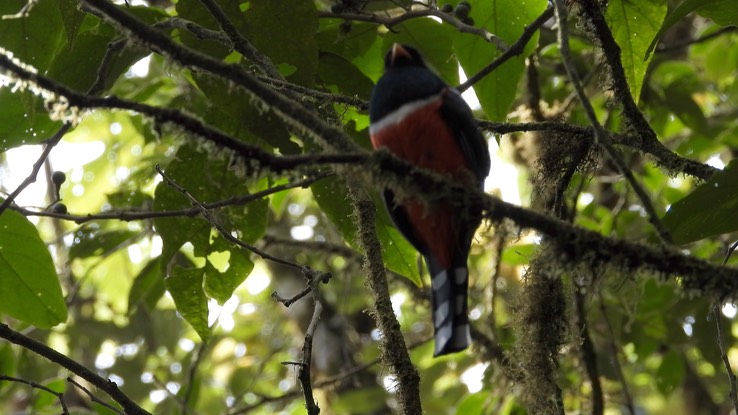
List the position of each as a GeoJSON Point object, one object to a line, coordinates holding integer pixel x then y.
{"type": "Point", "coordinates": [459, 117]}
{"type": "Point", "coordinates": [399, 217]}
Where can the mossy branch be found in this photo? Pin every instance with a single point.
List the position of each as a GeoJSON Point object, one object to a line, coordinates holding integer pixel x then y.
{"type": "Point", "coordinates": [394, 350]}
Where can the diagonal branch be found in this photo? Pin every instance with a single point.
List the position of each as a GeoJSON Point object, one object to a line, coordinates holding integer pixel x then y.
{"type": "Point", "coordinates": [240, 43]}
{"type": "Point", "coordinates": [108, 386]}
{"type": "Point", "coordinates": [292, 113]}
{"type": "Point", "coordinates": [390, 22]}
{"type": "Point", "coordinates": [600, 135]}
{"type": "Point", "coordinates": [516, 49]}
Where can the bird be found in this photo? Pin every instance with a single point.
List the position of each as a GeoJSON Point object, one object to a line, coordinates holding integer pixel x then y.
{"type": "Point", "coordinates": [417, 116]}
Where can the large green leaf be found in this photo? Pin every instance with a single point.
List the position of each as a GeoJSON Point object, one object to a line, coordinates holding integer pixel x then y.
{"type": "Point", "coordinates": [214, 183]}
{"type": "Point", "coordinates": [72, 18]}
{"type": "Point", "coordinates": [93, 241]}
{"type": "Point", "coordinates": [399, 256]}
{"type": "Point", "coordinates": [29, 287]}
{"type": "Point", "coordinates": [185, 286]}
{"type": "Point", "coordinates": [506, 19]}
{"type": "Point", "coordinates": [33, 39]}
{"type": "Point", "coordinates": [723, 12]}
{"type": "Point", "coordinates": [293, 44]}
{"type": "Point", "coordinates": [194, 11]}
{"type": "Point", "coordinates": [148, 287]}
{"type": "Point", "coordinates": [359, 43]}
{"type": "Point", "coordinates": [219, 283]}
{"type": "Point", "coordinates": [633, 24]}
{"type": "Point", "coordinates": [335, 70]}
{"type": "Point", "coordinates": [708, 211]}
{"type": "Point", "coordinates": [239, 116]}
{"type": "Point", "coordinates": [217, 182]}
{"type": "Point", "coordinates": [671, 372]}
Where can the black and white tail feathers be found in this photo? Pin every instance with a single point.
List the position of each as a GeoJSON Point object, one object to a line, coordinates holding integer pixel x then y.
{"type": "Point", "coordinates": [450, 318]}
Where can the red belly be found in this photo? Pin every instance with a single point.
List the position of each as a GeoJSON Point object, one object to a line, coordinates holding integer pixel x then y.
{"type": "Point", "coordinates": [424, 139]}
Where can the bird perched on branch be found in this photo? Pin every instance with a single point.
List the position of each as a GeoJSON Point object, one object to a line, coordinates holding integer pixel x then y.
{"type": "Point", "coordinates": [424, 121]}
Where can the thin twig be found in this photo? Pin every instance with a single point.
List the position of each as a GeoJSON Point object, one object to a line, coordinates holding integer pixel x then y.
{"type": "Point", "coordinates": [240, 43]}
{"type": "Point", "coordinates": [516, 49]}
{"type": "Point", "coordinates": [589, 356]}
{"type": "Point", "coordinates": [192, 374]}
{"type": "Point", "coordinates": [59, 395]}
{"type": "Point", "coordinates": [92, 396]}
{"type": "Point", "coordinates": [128, 216]}
{"type": "Point", "coordinates": [664, 48]}
{"type": "Point", "coordinates": [336, 379]}
{"type": "Point", "coordinates": [303, 373]}
{"type": "Point", "coordinates": [219, 227]}
{"type": "Point", "coordinates": [31, 178]}
{"type": "Point", "coordinates": [721, 342]}
{"type": "Point", "coordinates": [390, 22]}
{"type": "Point", "coordinates": [615, 359]}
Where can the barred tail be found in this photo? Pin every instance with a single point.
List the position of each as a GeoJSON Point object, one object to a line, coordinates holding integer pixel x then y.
{"type": "Point", "coordinates": [450, 318]}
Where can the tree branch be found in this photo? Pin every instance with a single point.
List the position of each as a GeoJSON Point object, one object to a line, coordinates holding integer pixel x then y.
{"type": "Point", "coordinates": [390, 22]}
{"type": "Point", "coordinates": [128, 216]}
{"type": "Point", "coordinates": [240, 43]}
{"type": "Point", "coordinates": [600, 135]}
{"type": "Point", "coordinates": [394, 349]}
{"type": "Point", "coordinates": [289, 111]}
{"type": "Point", "coordinates": [59, 395]}
{"type": "Point", "coordinates": [106, 385]}
{"type": "Point", "coordinates": [516, 49]}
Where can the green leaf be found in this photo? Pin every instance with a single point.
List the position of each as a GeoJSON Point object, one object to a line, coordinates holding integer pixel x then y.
{"type": "Point", "coordinates": [35, 38]}
{"type": "Point", "coordinates": [335, 70]}
{"type": "Point", "coordinates": [399, 256]}
{"type": "Point", "coordinates": [73, 66]}
{"type": "Point", "coordinates": [707, 211]}
{"type": "Point", "coordinates": [194, 11]}
{"type": "Point", "coordinates": [240, 116]}
{"type": "Point", "coordinates": [221, 284]}
{"type": "Point", "coordinates": [72, 18]}
{"type": "Point", "coordinates": [670, 373]}
{"type": "Point", "coordinates": [216, 182]}
{"type": "Point", "coordinates": [724, 12]}
{"type": "Point", "coordinates": [474, 404]}
{"type": "Point", "coordinates": [359, 43]}
{"type": "Point", "coordinates": [211, 184]}
{"type": "Point", "coordinates": [148, 287]}
{"type": "Point", "coordinates": [185, 286]}
{"type": "Point", "coordinates": [92, 241]}
{"type": "Point", "coordinates": [633, 25]}
{"type": "Point", "coordinates": [506, 19]}
{"type": "Point", "coordinates": [294, 42]}
{"type": "Point", "coordinates": [23, 119]}
{"type": "Point", "coordinates": [29, 287]}
{"type": "Point", "coordinates": [46, 400]}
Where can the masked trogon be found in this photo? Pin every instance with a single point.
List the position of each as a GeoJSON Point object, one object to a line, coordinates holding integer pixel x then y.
{"type": "Point", "coordinates": [421, 119]}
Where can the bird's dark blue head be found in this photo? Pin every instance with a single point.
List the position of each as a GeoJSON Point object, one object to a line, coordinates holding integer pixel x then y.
{"type": "Point", "coordinates": [402, 56]}
{"type": "Point", "coordinates": [406, 79]}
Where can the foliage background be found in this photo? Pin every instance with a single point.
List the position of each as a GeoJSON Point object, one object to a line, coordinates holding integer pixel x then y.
{"type": "Point", "coordinates": [135, 284]}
